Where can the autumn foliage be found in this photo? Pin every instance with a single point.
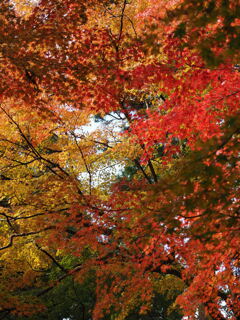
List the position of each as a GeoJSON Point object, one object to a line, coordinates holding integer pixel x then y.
{"type": "Point", "coordinates": [119, 159]}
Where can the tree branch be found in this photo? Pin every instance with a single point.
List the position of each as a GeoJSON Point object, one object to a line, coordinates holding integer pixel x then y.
{"type": "Point", "coordinates": [51, 258]}
{"type": "Point", "coordinates": [25, 234]}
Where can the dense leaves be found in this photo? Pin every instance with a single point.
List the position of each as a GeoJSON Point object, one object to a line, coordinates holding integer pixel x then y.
{"type": "Point", "coordinates": [119, 160]}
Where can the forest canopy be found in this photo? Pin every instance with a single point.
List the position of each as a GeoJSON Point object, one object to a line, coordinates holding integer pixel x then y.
{"type": "Point", "coordinates": [119, 159]}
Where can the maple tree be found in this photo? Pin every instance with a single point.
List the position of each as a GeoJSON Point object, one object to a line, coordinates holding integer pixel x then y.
{"type": "Point", "coordinates": [141, 211]}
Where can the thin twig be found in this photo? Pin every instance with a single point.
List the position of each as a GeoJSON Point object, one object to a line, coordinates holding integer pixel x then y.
{"type": "Point", "coordinates": [121, 20]}
{"type": "Point", "coordinates": [85, 162]}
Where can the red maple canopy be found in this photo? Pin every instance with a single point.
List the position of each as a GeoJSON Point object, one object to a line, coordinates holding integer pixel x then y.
{"type": "Point", "coordinates": [147, 201]}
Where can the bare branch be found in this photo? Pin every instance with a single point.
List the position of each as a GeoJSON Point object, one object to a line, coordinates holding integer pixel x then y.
{"type": "Point", "coordinates": [25, 234]}
{"type": "Point", "coordinates": [143, 171]}
{"type": "Point", "coordinates": [51, 258]}
{"type": "Point", "coordinates": [121, 20]}
{"type": "Point", "coordinates": [84, 161]}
